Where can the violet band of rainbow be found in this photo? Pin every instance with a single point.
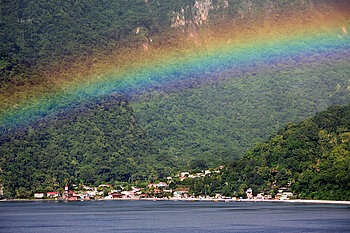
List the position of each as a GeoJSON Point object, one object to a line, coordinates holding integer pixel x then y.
{"type": "Point", "coordinates": [204, 61]}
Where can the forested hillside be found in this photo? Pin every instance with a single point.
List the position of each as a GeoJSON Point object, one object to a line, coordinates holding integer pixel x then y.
{"type": "Point", "coordinates": [117, 90]}
{"type": "Point", "coordinates": [38, 38]}
{"type": "Point", "coordinates": [93, 142]}
{"type": "Point", "coordinates": [310, 158]}
{"type": "Point", "coordinates": [221, 117]}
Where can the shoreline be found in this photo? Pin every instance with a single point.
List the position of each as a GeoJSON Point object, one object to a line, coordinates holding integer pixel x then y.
{"type": "Point", "coordinates": [303, 201]}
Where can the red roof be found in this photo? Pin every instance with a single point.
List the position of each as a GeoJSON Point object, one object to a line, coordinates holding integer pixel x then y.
{"type": "Point", "coordinates": [52, 192]}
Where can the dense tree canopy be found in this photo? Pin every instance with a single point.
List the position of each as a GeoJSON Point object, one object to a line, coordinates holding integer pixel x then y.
{"type": "Point", "coordinates": [311, 159]}
{"type": "Point", "coordinates": [222, 116]}
{"type": "Point", "coordinates": [205, 120]}
{"type": "Point", "coordinates": [93, 142]}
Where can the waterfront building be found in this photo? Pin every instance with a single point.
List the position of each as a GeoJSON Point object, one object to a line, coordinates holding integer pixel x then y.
{"type": "Point", "coordinates": [162, 184]}
{"type": "Point", "coordinates": [66, 192]}
{"type": "Point", "coordinates": [53, 194]}
{"type": "Point", "coordinates": [249, 193]}
{"type": "Point", "coordinates": [38, 195]}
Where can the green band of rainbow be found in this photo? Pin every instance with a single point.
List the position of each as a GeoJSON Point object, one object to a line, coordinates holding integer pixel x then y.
{"type": "Point", "coordinates": [206, 60]}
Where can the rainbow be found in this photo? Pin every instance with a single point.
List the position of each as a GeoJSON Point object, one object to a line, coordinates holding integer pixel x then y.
{"type": "Point", "coordinates": [270, 43]}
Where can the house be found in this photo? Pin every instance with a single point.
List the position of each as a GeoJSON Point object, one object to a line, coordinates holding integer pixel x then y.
{"type": "Point", "coordinates": [156, 191]}
{"type": "Point", "coordinates": [136, 190]}
{"type": "Point", "coordinates": [182, 178]}
{"type": "Point", "coordinates": [249, 193]}
{"type": "Point", "coordinates": [152, 185]}
{"type": "Point", "coordinates": [260, 196]}
{"type": "Point", "coordinates": [128, 193]}
{"type": "Point", "coordinates": [177, 194]}
{"type": "Point", "coordinates": [180, 192]}
{"type": "Point", "coordinates": [206, 172]}
{"type": "Point", "coordinates": [79, 195]}
{"type": "Point", "coordinates": [183, 174]}
{"type": "Point", "coordinates": [116, 195]}
{"type": "Point", "coordinates": [281, 190]}
{"type": "Point", "coordinates": [278, 196]}
{"type": "Point", "coordinates": [91, 193]}
{"type": "Point", "coordinates": [66, 192]}
{"type": "Point", "coordinates": [38, 195]}
{"type": "Point", "coordinates": [286, 196]}
{"type": "Point", "coordinates": [53, 194]}
{"type": "Point", "coordinates": [72, 198]}
{"type": "Point", "coordinates": [104, 185]}
{"type": "Point", "coordinates": [162, 184]}
{"type": "Point", "coordinates": [115, 191]}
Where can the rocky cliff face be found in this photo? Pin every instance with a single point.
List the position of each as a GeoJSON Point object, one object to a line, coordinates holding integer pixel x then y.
{"type": "Point", "coordinates": [199, 11]}
{"type": "Point", "coordinates": [189, 16]}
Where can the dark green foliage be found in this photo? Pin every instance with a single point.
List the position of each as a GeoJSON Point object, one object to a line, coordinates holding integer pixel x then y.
{"type": "Point", "coordinates": [95, 141]}
{"type": "Point", "coordinates": [100, 141]}
{"type": "Point", "coordinates": [41, 36]}
{"type": "Point", "coordinates": [311, 158]}
{"type": "Point", "coordinates": [221, 116]}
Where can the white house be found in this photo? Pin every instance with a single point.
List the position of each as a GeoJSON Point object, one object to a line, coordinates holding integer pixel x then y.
{"type": "Point", "coordinates": [184, 173]}
{"type": "Point", "coordinates": [53, 194]}
{"type": "Point", "coordinates": [249, 193]}
{"type": "Point", "coordinates": [38, 195]}
{"type": "Point", "coordinates": [207, 172]}
{"type": "Point", "coordinates": [162, 185]}
{"type": "Point", "coordinates": [286, 196]}
{"type": "Point", "coordinates": [260, 196]}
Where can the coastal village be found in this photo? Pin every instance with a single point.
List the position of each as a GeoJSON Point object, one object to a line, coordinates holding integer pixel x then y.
{"type": "Point", "coordinates": [155, 191]}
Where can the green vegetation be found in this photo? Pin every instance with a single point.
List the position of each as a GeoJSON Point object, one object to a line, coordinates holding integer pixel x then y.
{"type": "Point", "coordinates": [220, 117]}
{"type": "Point", "coordinates": [95, 141]}
{"type": "Point", "coordinates": [311, 159]}
{"type": "Point", "coordinates": [38, 38]}
{"type": "Point", "coordinates": [190, 124]}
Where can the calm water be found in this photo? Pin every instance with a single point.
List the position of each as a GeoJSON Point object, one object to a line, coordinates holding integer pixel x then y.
{"type": "Point", "coordinates": [171, 216]}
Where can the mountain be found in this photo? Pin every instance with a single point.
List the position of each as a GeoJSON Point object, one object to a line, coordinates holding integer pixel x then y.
{"type": "Point", "coordinates": [42, 38]}
{"type": "Point", "coordinates": [93, 142]}
{"type": "Point", "coordinates": [221, 117]}
{"type": "Point", "coordinates": [310, 158]}
{"type": "Point", "coordinates": [112, 91]}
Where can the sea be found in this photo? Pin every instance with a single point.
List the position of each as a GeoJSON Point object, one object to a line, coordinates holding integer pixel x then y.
{"type": "Point", "coordinates": [171, 216]}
